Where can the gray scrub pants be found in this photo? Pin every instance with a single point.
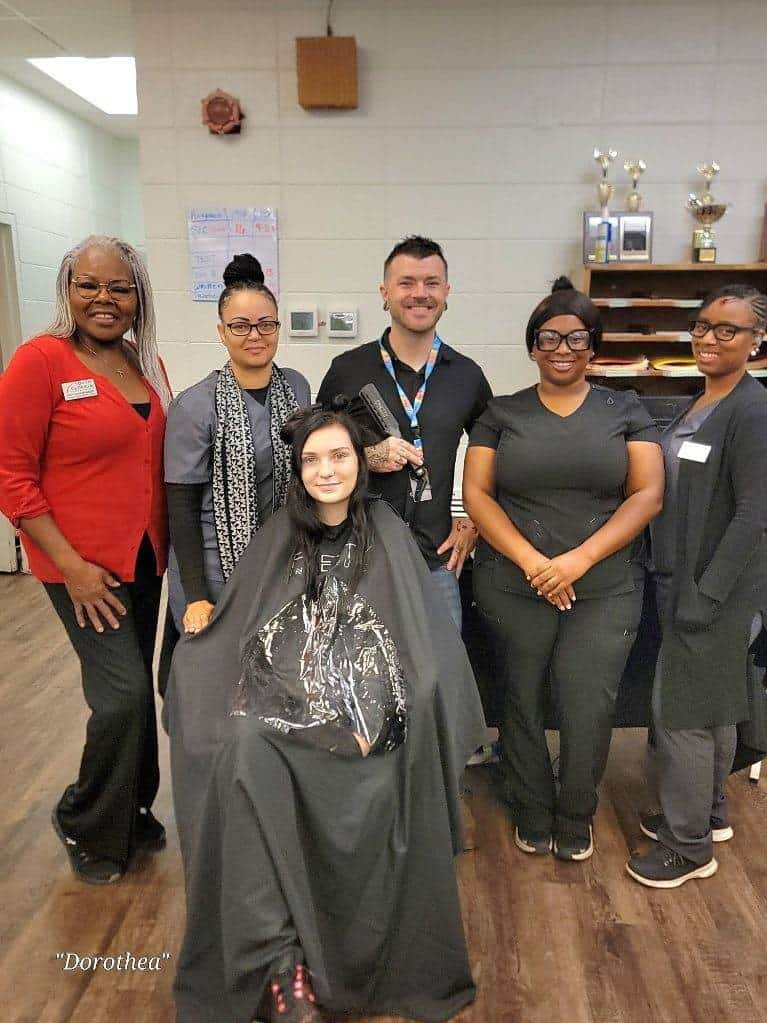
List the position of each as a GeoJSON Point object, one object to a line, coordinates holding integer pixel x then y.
{"type": "Point", "coordinates": [691, 767]}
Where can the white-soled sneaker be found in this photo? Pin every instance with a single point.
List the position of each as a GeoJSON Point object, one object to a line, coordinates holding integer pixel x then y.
{"type": "Point", "coordinates": [538, 843]}
{"type": "Point", "coordinates": [664, 868]}
{"type": "Point", "coordinates": [649, 823]}
{"type": "Point", "coordinates": [574, 847]}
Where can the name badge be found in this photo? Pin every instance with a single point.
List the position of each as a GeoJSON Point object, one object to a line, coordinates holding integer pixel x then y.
{"type": "Point", "coordinates": [694, 452]}
{"type": "Point", "coordinates": [75, 389]}
{"type": "Point", "coordinates": [420, 487]}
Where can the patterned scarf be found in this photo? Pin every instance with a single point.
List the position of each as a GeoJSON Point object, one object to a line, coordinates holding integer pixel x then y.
{"type": "Point", "coordinates": [235, 492]}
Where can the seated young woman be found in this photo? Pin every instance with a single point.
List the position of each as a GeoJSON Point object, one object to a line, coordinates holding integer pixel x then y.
{"type": "Point", "coordinates": [319, 726]}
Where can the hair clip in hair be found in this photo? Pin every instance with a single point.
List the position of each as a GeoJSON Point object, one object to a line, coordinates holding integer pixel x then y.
{"type": "Point", "coordinates": [338, 403]}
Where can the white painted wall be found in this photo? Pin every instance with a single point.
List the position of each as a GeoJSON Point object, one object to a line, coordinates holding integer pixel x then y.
{"type": "Point", "coordinates": [61, 179]}
{"type": "Point", "coordinates": [476, 125]}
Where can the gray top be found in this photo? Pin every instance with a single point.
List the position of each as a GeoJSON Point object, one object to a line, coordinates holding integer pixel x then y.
{"type": "Point", "coordinates": [663, 526]}
{"type": "Point", "coordinates": [189, 440]}
{"type": "Point", "coordinates": [560, 478]}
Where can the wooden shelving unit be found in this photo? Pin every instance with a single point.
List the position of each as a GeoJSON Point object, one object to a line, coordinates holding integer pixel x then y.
{"type": "Point", "coordinates": [646, 308]}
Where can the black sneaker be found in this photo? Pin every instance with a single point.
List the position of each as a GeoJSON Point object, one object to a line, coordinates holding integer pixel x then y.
{"type": "Point", "coordinates": [664, 868]}
{"type": "Point", "coordinates": [292, 997]}
{"type": "Point", "coordinates": [574, 847]}
{"type": "Point", "coordinates": [536, 842]}
{"type": "Point", "coordinates": [649, 824]}
{"type": "Point", "coordinates": [87, 867]}
{"type": "Point", "coordinates": [721, 831]}
{"type": "Point", "coordinates": [149, 834]}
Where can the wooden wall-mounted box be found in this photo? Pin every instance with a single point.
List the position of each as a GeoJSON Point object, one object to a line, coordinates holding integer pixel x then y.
{"type": "Point", "coordinates": [327, 72]}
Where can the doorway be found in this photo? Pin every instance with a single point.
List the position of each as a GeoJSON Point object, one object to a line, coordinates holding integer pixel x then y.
{"type": "Point", "coordinates": [10, 339]}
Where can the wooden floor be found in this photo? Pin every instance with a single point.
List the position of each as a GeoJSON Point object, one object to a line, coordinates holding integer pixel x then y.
{"type": "Point", "coordinates": [549, 942]}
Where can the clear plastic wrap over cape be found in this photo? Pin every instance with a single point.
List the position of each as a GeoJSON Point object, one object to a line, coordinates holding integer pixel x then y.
{"type": "Point", "coordinates": [326, 662]}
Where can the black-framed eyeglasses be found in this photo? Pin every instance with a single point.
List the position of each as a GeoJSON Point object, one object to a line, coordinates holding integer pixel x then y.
{"type": "Point", "coordinates": [550, 340]}
{"type": "Point", "coordinates": [89, 287]}
{"type": "Point", "coordinates": [721, 331]}
{"type": "Point", "coordinates": [241, 328]}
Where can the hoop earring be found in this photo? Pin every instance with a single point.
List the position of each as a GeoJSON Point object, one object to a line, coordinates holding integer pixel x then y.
{"type": "Point", "coordinates": [386, 306]}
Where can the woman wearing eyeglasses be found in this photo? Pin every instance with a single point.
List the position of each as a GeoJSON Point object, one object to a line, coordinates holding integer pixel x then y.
{"type": "Point", "coordinates": [710, 568]}
{"type": "Point", "coordinates": [226, 468]}
{"type": "Point", "coordinates": [82, 419]}
{"type": "Point", "coordinates": [560, 479]}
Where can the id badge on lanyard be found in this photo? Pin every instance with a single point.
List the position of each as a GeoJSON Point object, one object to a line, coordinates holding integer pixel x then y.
{"type": "Point", "coordinates": [420, 486]}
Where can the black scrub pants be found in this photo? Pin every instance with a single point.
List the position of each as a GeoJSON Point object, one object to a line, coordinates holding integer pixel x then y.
{"type": "Point", "coordinates": [119, 772]}
{"type": "Point", "coordinates": [584, 652]}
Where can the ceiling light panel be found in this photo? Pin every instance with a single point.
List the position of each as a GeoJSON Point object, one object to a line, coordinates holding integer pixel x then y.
{"type": "Point", "coordinates": [108, 83]}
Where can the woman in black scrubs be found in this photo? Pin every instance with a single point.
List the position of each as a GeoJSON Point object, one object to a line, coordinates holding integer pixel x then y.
{"type": "Point", "coordinates": [710, 569]}
{"type": "Point", "coordinates": [560, 479]}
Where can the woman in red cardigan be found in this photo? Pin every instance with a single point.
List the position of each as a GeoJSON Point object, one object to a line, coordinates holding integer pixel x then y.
{"type": "Point", "coordinates": [82, 417]}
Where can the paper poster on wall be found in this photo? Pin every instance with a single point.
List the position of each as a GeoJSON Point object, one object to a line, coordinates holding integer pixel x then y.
{"type": "Point", "coordinates": [216, 235]}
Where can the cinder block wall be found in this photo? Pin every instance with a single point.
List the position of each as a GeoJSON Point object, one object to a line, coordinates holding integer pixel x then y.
{"type": "Point", "coordinates": [61, 179]}
{"type": "Point", "coordinates": [476, 125]}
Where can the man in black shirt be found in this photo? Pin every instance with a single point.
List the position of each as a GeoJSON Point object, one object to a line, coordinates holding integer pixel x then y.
{"type": "Point", "coordinates": [434, 392]}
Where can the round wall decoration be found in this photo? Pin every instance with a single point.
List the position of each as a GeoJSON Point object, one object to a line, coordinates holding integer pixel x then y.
{"type": "Point", "coordinates": [221, 113]}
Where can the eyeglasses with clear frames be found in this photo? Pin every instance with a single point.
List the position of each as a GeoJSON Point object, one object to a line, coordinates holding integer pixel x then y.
{"type": "Point", "coordinates": [721, 331]}
{"type": "Point", "coordinates": [550, 340]}
{"type": "Point", "coordinates": [242, 328]}
{"type": "Point", "coordinates": [89, 287]}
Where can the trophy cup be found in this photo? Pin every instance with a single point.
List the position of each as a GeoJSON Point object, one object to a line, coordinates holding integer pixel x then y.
{"type": "Point", "coordinates": [635, 169]}
{"type": "Point", "coordinates": [706, 211]}
{"type": "Point", "coordinates": [605, 192]}
{"type": "Point", "coordinates": [604, 188]}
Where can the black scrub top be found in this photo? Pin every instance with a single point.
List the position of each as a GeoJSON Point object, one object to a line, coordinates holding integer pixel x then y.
{"type": "Point", "coordinates": [560, 478]}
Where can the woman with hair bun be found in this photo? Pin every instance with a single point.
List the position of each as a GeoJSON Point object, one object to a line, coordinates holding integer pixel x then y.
{"type": "Point", "coordinates": [226, 467]}
{"type": "Point", "coordinates": [560, 480]}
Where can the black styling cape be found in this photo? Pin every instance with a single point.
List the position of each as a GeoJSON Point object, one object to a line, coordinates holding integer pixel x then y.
{"type": "Point", "coordinates": [361, 849]}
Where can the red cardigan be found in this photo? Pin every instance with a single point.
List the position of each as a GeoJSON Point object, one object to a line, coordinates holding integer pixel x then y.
{"type": "Point", "coordinates": [92, 462]}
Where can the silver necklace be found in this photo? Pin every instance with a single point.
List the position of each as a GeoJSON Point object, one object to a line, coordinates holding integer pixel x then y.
{"type": "Point", "coordinates": [122, 373]}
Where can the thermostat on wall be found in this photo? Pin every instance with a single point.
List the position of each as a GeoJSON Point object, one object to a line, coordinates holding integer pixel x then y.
{"type": "Point", "coordinates": [342, 323]}
{"type": "Point", "coordinates": [303, 322]}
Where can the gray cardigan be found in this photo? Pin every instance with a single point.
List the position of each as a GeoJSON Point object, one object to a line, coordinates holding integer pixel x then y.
{"type": "Point", "coordinates": [720, 575]}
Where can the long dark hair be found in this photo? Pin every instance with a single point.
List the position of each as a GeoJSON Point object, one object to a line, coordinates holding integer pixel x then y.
{"type": "Point", "coordinates": [565, 300]}
{"type": "Point", "coordinates": [301, 508]}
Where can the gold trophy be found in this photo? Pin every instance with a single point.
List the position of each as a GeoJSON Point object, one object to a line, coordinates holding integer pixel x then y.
{"type": "Point", "coordinates": [604, 188]}
{"type": "Point", "coordinates": [604, 240]}
{"type": "Point", "coordinates": [635, 169]}
{"type": "Point", "coordinates": [707, 211]}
